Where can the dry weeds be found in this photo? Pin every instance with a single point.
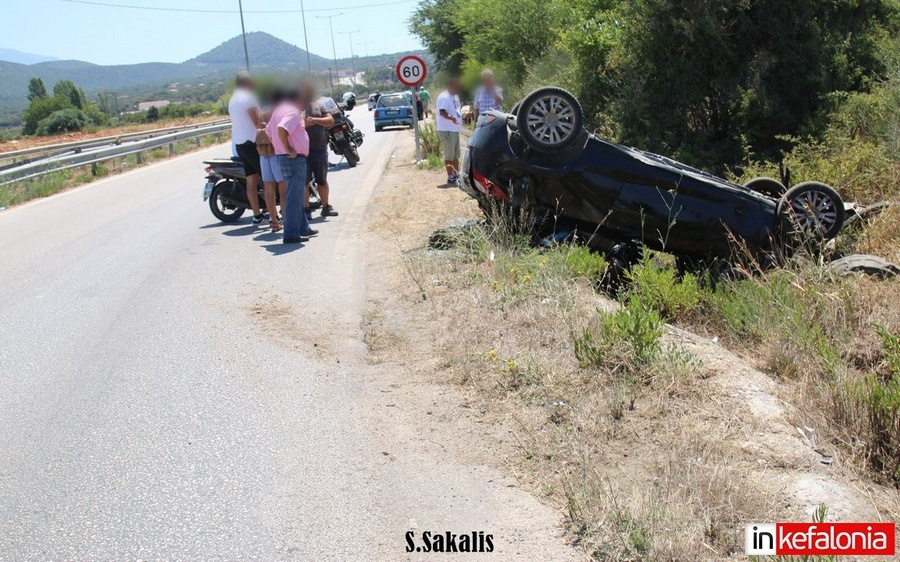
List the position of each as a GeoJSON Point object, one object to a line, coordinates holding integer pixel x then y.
{"type": "Point", "coordinates": [708, 447]}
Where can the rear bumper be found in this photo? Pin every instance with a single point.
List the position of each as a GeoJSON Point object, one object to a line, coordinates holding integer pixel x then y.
{"type": "Point", "coordinates": [394, 122]}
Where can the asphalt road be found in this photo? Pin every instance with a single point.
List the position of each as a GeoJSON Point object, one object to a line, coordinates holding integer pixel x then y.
{"type": "Point", "coordinates": [172, 388]}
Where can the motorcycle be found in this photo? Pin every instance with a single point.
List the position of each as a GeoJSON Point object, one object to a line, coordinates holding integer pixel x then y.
{"type": "Point", "coordinates": [344, 138]}
{"type": "Point", "coordinates": [226, 190]}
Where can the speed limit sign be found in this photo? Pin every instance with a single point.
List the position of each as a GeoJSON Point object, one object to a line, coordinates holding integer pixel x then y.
{"type": "Point", "coordinates": [411, 70]}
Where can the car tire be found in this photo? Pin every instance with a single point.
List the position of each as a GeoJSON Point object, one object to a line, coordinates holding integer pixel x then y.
{"type": "Point", "coordinates": [550, 119]}
{"type": "Point", "coordinates": [378, 129]}
{"type": "Point", "coordinates": [863, 263]}
{"type": "Point", "coordinates": [767, 186]}
{"type": "Point", "coordinates": [814, 210]}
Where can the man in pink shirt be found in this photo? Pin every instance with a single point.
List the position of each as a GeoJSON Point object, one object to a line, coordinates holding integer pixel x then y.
{"type": "Point", "coordinates": [287, 129]}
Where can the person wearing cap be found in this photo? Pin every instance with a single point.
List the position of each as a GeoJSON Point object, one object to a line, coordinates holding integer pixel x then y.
{"type": "Point", "coordinates": [488, 95]}
{"type": "Point", "coordinates": [243, 107]}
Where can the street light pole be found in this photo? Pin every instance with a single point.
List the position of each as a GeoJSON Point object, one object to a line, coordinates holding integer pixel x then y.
{"type": "Point", "coordinates": [366, 46]}
{"type": "Point", "coordinates": [244, 35]}
{"type": "Point", "coordinates": [305, 37]}
{"type": "Point", "coordinates": [333, 46]}
{"type": "Point", "coordinates": [349, 35]}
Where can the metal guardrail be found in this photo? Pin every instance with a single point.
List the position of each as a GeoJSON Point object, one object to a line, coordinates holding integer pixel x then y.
{"type": "Point", "coordinates": [26, 155]}
{"type": "Point", "coordinates": [94, 156]}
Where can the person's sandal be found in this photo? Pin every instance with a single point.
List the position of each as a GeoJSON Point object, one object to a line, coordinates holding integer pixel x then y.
{"type": "Point", "coordinates": [276, 228]}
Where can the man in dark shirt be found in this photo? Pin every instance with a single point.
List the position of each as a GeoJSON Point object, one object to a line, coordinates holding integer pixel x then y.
{"type": "Point", "coordinates": [318, 119]}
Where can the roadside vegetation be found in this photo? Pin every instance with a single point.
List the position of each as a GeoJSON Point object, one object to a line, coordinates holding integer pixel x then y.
{"type": "Point", "coordinates": [636, 414]}
{"type": "Point", "coordinates": [67, 109]}
{"type": "Point", "coordinates": [717, 85]}
{"type": "Point", "coordinates": [43, 186]}
{"type": "Point", "coordinates": [629, 412]}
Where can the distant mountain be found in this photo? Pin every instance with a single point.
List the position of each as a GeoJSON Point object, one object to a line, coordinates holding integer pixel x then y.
{"type": "Point", "coordinates": [12, 55]}
{"type": "Point", "coordinates": [265, 51]}
{"type": "Point", "coordinates": [218, 66]}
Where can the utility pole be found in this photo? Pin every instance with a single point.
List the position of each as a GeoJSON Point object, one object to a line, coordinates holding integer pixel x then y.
{"type": "Point", "coordinates": [244, 35]}
{"type": "Point", "coordinates": [333, 47]}
{"type": "Point", "coordinates": [366, 46]}
{"type": "Point", "coordinates": [349, 35]}
{"type": "Point", "coordinates": [305, 37]}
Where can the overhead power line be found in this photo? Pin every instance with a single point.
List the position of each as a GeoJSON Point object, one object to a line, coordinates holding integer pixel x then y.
{"type": "Point", "coordinates": [199, 11]}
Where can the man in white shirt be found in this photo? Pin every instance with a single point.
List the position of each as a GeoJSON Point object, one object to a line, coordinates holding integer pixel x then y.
{"type": "Point", "coordinates": [449, 123]}
{"type": "Point", "coordinates": [245, 121]}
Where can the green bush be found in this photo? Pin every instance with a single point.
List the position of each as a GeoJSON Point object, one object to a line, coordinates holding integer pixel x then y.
{"type": "Point", "coordinates": [39, 110]}
{"type": "Point", "coordinates": [624, 346]}
{"type": "Point", "coordinates": [584, 263]}
{"type": "Point", "coordinates": [661, 289]}
{"type": "Point", "coordinates": [774, 310]}
{"type": "Point", "coordinates": [95, 115]}
{"type": "Point", "coordinates": [630, 336]}
{"type": "Point", "coordinates": [64, 121]}
{"type": "Point", "coordinates": [874, 407]}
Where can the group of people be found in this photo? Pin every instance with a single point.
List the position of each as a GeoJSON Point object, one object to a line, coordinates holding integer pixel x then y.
{"type": "Point", "coordinates": [488, 96]}
{"type": "Point", "coordinates": [287, 148]}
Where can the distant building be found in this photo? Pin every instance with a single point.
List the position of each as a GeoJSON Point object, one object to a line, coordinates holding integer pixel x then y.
{"type": "Point", "coordinates": [145, 105]}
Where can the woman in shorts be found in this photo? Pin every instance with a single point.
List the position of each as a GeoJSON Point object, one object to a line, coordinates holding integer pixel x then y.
{"type": "Point", "coordinates": [272, 175]}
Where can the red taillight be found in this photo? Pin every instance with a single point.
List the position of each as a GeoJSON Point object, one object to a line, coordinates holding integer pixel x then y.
{"type": "Point", "coordinates": [489, 118]}
{"type": "Point", "coordinates": [208, 169]}
{"type": "Point", "coordinates": [488, 187]}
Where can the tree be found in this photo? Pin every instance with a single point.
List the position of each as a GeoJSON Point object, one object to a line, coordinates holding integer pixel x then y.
{"type": "Point", "coordinates": [36, 89]}
{"type": "Point", "coordinates": [434, 21]}
{"type": "Point", "coordinates": [67, 90]}
{"type": "Point", "coordinates": [41, 109]}
{"type": "Point", "coordinates": [518, 42]}
{"type": "Point", "coordinates": [153, 114]}
{"type": "Point", "coordinates": [103, 98]}
{"type": "Point", "coordinates": [705, 80]}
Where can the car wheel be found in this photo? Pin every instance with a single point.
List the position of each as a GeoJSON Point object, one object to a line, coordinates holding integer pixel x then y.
{"type": "Point", "coordinates": [550, 119]}
{"type": "Point", "coordinates": [862, 263]}
{"type": "Point", "coordinates": [814, 210]}
{"type": "Point", "coordinates": [378, 129]}
{"type": "Point", "coordinates": [515, 108]}
{"type": "Point", "coordinates": [767, 186]}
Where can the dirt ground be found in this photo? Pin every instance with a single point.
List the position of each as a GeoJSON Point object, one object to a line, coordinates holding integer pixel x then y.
{"type": "Point", "coordinates": [34, 142]}
{"type": "Point", "coordinates": [704, 452]}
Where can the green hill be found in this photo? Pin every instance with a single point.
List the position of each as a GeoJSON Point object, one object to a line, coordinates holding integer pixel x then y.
{"type": "Point", "coordinates": [265, 51]}
{"type": "Point", "coordinates": [151, 80]}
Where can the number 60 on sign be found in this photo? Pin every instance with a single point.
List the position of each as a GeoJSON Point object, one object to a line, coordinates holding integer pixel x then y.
{"type": "Point", "coordinates": [411, 70]}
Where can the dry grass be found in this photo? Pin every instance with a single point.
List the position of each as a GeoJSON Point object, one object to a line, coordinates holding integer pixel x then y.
{"type": "Point", "coordinates": [882, 236]}
{"type": "Point", "coordinates": [650, 460]}
{"type": "Point", "coordinates": [656, 482]}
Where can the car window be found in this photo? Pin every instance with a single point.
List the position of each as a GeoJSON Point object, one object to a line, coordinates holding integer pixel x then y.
{"type": "Point", "coordinates": [393, 101]}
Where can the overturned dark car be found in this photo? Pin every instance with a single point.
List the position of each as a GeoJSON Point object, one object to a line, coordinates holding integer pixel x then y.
{"type": "Point", "coordinates": [618, 199]}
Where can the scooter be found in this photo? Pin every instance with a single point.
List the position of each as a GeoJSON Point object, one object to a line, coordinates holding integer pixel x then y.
{"type": "Point", "coordinates": [226, 190]}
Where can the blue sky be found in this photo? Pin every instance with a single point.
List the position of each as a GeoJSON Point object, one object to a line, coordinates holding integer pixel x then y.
{"type": "Point", "coordinates": [107, 35]}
